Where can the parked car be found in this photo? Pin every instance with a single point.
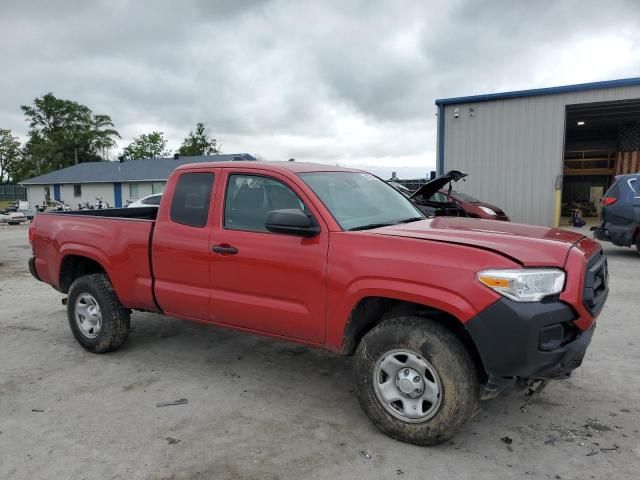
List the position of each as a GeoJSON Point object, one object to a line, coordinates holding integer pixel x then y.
{"type": "Point", "coordinates": [148, 201]}
{"type": "Point", "coordinates": [437, 198]}
{"type": "Point", "coordinates": [16, 218]}
{"type": "Point", "coordinates": [620, 214]}
{"type": "Point", "coordinates": [438, 312]}
{"type": "Point", "coordinates": [19, 206]}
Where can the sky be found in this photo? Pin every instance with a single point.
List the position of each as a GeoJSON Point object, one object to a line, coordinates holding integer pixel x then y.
{"type": "Point", "coordinates": [344, 82]}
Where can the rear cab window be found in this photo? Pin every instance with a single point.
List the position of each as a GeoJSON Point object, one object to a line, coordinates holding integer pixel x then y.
{"type": "Point", "coordinates": [191, 199]}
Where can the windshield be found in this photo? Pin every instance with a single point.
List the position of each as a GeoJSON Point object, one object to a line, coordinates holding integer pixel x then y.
{"type": "Point", "coordinates": [359, 200]}
{"type": "Point", "coordinates": [465, 197]}
{"type": "Point", "coordinates": [439, 197]}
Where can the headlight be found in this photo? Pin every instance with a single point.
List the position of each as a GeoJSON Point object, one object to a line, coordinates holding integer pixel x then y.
{"type": "Point", "coordinates": [487, 210]}
{"type": "Point", "coordinates": [524, 285]}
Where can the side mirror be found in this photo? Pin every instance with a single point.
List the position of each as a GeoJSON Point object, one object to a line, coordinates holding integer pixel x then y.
{"type": "Point", "coordinates": [291, 221]}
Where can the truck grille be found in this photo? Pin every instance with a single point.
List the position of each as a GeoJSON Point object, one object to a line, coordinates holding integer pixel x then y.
{"type": "Point", "coordinates": [596, 283]}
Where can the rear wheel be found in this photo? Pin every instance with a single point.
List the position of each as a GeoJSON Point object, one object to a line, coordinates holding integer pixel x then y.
{"type": "Point", "coordinates": [416, 381]}
{"type": "Point", "coordinates": [96, 317]}
{"type": "Point", "coordinates": [638, 242]}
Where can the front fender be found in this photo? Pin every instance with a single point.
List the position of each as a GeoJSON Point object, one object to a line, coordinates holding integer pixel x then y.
{"type": "Point", "coordinates": [461, 305]}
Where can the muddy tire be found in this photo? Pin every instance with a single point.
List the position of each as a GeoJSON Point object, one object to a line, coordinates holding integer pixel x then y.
{"type": "Point", "coordinates": [415, 380]}
{"type": "Point", "coordinates": [96, 317]}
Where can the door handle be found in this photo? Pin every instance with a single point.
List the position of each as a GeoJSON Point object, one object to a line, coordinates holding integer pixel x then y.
{"type": "Point", "coordinates": [225, 249]}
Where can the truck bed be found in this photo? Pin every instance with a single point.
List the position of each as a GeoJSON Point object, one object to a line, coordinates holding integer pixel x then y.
{"type": "Point", "coordinates": [117, 238]}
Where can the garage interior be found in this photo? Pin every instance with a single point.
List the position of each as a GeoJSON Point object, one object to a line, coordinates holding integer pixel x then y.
{"type": "Point", "coordinates": [602, 140]}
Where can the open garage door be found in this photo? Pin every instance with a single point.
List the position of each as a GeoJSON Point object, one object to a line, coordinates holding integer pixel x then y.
{"type": "Point", "coordinates": [602, 140]}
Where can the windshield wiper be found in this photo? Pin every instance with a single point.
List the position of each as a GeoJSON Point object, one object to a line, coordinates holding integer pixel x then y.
{"type": "Point", "coordinates": [412, 219]}
{"type": "Point", "coordinates": [378, 225]}
{"type": "Point", "coordinates": [370, 225]}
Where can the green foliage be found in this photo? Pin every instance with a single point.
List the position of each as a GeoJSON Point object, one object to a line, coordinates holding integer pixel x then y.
{"type": "Point", "coordinates": [147, 145]}
{"type": "Point", "coordinates": [199, 142]}
{"type": "Point", "coordinates": [62, 133]}
{"type": "Point", "coordinates": [9, 155]}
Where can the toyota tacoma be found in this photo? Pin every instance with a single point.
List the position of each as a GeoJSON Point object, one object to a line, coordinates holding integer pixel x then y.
{"type": "Point", "coordinates": [439, 313]}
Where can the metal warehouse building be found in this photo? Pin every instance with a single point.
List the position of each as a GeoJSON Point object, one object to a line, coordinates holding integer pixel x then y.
{"type": "Point", "coordinates": [541, 154]}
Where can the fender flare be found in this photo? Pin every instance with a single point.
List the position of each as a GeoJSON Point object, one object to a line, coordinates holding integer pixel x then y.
{"type": "Point", "coordinates": [87, 251]}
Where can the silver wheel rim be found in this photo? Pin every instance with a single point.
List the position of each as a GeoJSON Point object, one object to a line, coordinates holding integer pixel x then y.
{"type": "Point", "coordinates": [407, 386]}
{"type": "Point", "coordinates": [88, 315]}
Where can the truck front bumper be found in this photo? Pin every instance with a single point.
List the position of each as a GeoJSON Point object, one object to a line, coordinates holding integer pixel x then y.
{"type": "Point", "coordinates": [521, 341]}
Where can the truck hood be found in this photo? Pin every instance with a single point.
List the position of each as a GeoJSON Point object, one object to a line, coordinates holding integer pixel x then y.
{"type": "Point", "coordinates": [527, 244]}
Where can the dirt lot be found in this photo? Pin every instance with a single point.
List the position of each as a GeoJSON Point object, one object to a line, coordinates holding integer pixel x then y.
{"type": "Point", "coordinates": [259, 408]}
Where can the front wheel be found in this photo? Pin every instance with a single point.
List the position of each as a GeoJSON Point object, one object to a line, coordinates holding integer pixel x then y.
{"type": "Point", "coordinates": [96, 317]}
{"type": "Point", "coordinates": [415, 380]}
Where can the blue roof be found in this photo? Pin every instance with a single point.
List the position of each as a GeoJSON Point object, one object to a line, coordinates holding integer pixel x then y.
{"type": "Point", "coordinates": [624, 82]}
{"type": "Point", "coordinates": [147, 169]}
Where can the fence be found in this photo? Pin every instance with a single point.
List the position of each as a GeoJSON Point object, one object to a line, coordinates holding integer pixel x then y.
{"type": "Point", "coordinates": [12, 193]}
{"type": "Point", "coordinates": [413, 184]}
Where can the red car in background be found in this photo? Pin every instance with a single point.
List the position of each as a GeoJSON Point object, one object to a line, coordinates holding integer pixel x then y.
{"type": "Point", "coordinates": [434, 200]}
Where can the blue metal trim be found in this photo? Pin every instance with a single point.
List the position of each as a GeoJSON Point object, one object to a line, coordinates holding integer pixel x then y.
{"type": "Point", "coordinates": [440, 154]}
{"type": "Point", "coordinates": [624, 82]}
{"type": "Point", "coordinates": [117, 194]}
{"type": "Point", "coordinates": [56, 191]}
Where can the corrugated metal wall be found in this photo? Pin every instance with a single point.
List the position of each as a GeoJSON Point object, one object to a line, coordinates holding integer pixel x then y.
{"type": "Point", "coordinates": [513, 149]}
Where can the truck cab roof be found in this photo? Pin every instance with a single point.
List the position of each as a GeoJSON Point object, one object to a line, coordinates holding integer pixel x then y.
{"type": "Point", "coordinates": [282, 167]}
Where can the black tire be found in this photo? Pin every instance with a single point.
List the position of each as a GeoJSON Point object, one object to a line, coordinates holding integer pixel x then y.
{"type": "Point", "coordinates": [459, 384]}
{"type": "Point", "coordinates": [116, 320]}
{"type": "Point", "coordinates": [638, 242]}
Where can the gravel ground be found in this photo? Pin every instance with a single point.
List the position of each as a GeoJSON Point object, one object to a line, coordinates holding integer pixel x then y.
{"type": "Point", "coordinates": [263, 409]}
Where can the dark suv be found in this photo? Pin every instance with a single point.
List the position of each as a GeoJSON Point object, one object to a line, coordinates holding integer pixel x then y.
{"type": "Point", "coordinates": [620, 218]}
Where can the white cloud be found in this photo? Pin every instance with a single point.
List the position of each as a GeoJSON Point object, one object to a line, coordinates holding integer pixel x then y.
{"type": "Point", "coordinates": [352, 83]}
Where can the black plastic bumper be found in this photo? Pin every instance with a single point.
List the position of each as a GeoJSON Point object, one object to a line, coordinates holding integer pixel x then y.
{"type": "Point", "coordinates": [535, 340]}
{"type": "Point", "coordinates": [620, 235]}
{"type": "Point", "coordinates": [600, 233]}
{"type": "Point", "coordinates": [32, 268]}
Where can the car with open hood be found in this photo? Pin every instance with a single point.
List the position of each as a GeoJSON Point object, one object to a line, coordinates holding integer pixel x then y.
{"type": "Point", "coordinates": [437, 198]}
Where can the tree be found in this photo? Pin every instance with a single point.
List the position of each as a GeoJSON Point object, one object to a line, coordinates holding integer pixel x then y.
{"type": "Point", "coordinates": [62, 133]}
{"type": "Point", "coordinates": [199, 142]}
{"type": "Point", "coordinates": [147, 145]}
{"type": "Point", "coordinates": [9, 155]}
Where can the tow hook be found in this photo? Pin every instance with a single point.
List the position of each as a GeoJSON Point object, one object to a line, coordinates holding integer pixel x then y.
{"type": "Point", "coordinates": [64, 301]}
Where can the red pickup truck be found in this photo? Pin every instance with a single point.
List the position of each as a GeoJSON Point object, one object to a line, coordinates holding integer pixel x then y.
{"type": "Point", "coordinates": [439, 313]}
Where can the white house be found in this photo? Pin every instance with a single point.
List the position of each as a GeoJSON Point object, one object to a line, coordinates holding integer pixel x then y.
{"type": "Point", "coordinates": [114, 182]}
